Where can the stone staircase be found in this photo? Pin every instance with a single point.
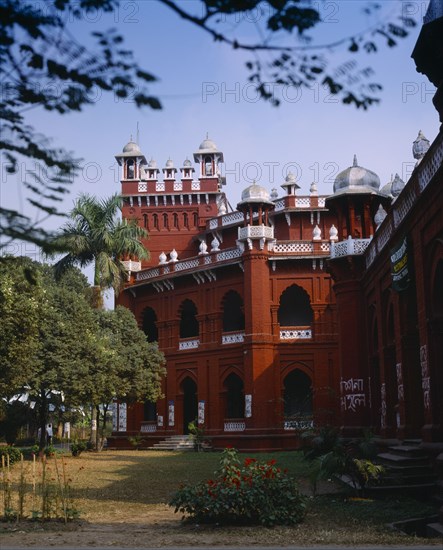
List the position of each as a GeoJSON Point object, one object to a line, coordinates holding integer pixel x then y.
{"type": "Point", "coordinates": [175, 443]}
{"type": "Point", "coordinates": [408, 470]}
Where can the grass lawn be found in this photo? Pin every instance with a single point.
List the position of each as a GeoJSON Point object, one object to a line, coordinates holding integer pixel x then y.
{"type": "Point", "coordinates": [126, 492]}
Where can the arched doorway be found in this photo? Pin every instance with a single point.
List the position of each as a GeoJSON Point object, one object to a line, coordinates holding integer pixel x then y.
{"type": "Point", "coordinates": [235, 399]}
{"type": "Point", "coordinates": [190, 405]}
{"type": "Point", "coordinates": [188, 320]}
{"type": "Point", "coordinates": [149, 325]}
{"type": "Point", "coordinates": [297, 396]}
{"type": "Point", "coordinates": [295, 308]}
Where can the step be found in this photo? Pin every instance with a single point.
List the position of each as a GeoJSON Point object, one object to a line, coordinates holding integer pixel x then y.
{"type": "Point", "coordinates": [398, 458]}
{"type": "Point", "coordinates": [434, 530]}
{"type": "Point", "coordinates": [409, 450]}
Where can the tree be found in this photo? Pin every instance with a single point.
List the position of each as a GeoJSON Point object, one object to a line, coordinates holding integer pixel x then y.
{"type": "Point", "coordinates": [95, 236]}
{"type": "Point", "coordinates": [54, 349]}
{"type": "Point", "coordinates": [131, 368]}
{"type": "Point", "coordinates": [43, 65]}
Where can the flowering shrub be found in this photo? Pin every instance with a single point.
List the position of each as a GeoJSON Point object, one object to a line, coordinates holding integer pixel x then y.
{"type": "Point", "coordinates": [248, 493]}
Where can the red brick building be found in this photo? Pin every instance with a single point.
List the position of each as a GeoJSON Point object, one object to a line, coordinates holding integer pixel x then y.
{"type": "Point", "coordinates": [292, 309]}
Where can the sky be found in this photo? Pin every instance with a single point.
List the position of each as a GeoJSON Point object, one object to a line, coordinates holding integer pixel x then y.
{"type": "Point", "coordinates": [204, 90]}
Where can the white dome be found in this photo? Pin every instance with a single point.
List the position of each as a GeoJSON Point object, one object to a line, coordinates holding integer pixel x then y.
{"type": "Point", "coordinates": [187, 163]}
{"type": "Point", "coordinates": [169, 164]}
{"type": "Point", "coordinates": [207, 145]}
{"type": "Point", "coordinates": [397, 186]}
{"type": "Point", "coordinates": [255, 194]}
{"type": "Point", "coordinates": [356, 179]}
{"type": "Point", "coordinates": [420, 146]}
{"type": "Point", "coordinates": [152, 164]}
{"type": "Point", "coordinates": [132, 147]}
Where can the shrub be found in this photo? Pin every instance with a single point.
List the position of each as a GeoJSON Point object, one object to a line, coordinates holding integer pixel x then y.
{"type": "Point", "coordinates": [252, 493]}
{"type": "Point", "coordinates": [78, 447]}
{"type": "Point", "coordinates": [13, 453]}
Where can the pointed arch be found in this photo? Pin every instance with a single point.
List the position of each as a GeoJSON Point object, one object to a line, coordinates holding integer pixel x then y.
{"type": "Point", "coordinates": [235, 396]}
{"type": "Point", "coordinates": [188, 319]}
{"type": "Point", "coordinates": [149, 324]}
{"type": "Point", "coordinates": [295, 308]}
{"type": "Point", "coordinates": [297, 394]}
{"type": "Point", "coordinates": [233, 312]}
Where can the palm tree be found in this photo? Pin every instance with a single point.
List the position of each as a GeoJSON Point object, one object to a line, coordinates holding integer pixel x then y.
{"type": "Point", "coordinates": [96, 236]}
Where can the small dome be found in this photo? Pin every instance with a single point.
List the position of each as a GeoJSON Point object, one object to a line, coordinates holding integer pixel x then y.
{"type": "Point", "coordinates": [254, 193]}
{"type": "Point", "coordinates": [132, 147]}
{"type": "Point", "coordinates": [356, 179]}
{"type": "Point", "coordinates": [397, 186]}
{"type": "Point", "coordinates": [387, 188]}
{"type": "Point", "coordinates": [169, 164]}
{"type": "Point", "coordinates": [420, 146]}
{"type": "Point", "coordinates": [207, 145]}
{"type": "Point", "coordinates": [152, 163]}
{"type": "Point", "coordinates": [380, 215]}
{"type": "Point", "coordinates": [187, 163]}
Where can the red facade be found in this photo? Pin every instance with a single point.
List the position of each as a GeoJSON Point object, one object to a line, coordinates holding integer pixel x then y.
{"type": "Point", "coordinates": [291, 310]}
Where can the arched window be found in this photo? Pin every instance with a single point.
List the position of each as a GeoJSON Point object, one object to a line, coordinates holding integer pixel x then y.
{"type": "Point", "coordinates": [165, 221]}
{"type": "Point", "coordinates": [149, 325]}
{"type": "Point", "coordinates": [295, 308]}
{"type": "Point", "coordinates": [145, 221]}
{"type": "Point", "coordinates": [185, 220]}
{"type": "Point", "coordinates": [233, 316]}
{"type": "Point", "coordinates": [175, 218]}
{"type": "Point", "coordinates": [208, 166]}
{"type": "Point", "coordinates": [235, 399]}
{"type": "Point", "coordinates": [437, 293]}
{"type": "Point", "coordinates": [297, 394]}
{"type": "Point", "coordinates": [130, 169]}
{"type": "Point", "coordinates": [155, 220]}
{"type": "Point", "coordinates": [149, 411]}
{"type": "Point", "coordinates": [190, 404]}
{"type": "Point", "coordinates": [195, 219]}
{"type": "Point", "coordinates": [188, 320]}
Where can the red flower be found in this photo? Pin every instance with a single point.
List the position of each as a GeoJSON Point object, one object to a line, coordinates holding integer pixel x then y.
{"type": "Point", "coordinates": [249, 461]}
{"type": "Point", "coordinates": [271, 462]}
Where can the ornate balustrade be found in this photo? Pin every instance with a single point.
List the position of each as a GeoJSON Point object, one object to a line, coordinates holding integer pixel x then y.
{"type": "Point", "coordinates": [255, 232]}
{"type": "Point", "coordinates": [349, 247]}
{"type": "Point", "coordinates": [191, 264]}
{"type": "Point", "coordinates": [234, 426]}
{"type": "Point", "coordinates": [301, 247]}
{"type": "Point", "coordinates": [188, 343]}
{"type": "Point", "coordinates": [148, 427]}
{"type": "Point", "coordinates": [233, 337]}
{"type": "Point", "coordinates": [299, 424]}
{"type": "Point", "coordinates": [296, 333]}
{"type": "Point", "coordinates": [132, 266]}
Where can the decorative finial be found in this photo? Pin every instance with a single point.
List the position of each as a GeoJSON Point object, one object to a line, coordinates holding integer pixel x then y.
{"type": "Point", "coordinates": [355, 161]}
{"type": "Point", "coordinates": [130, 139]}
{"type": "Point", "coordinates": [207, 135]}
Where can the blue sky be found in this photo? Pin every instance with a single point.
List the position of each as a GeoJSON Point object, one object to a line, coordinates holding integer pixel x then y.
{"type": "Point", "coordinates": [203, 88]}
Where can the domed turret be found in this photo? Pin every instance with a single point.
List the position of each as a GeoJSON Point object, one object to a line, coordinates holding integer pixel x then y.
{"type": "Point", "coordinates": [132, 148]}
{"type": "Point", "coordinates": [387, 188]}
{"type": "Point", "coordinates": [420, 146]}
{"type": "Point", "coordinates": [131, 159]}
{"type": "Point", "coordinates": [208, 157]}
{"type": "Point", "coordinates": [356, 179]}
{"type": "Point", "coordinates": [290, 185]}
{"type": "Point", "coordinates": [397, 186]}
{"type": "Point", "coordinates": [255, 194]}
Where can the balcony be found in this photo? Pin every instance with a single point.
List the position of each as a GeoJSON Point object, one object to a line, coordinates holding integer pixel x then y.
{"type": "Point", "coordinates": [350, 247]}
{"type": "Point", "coordinates": [306, 423]}
{"type": "Point", "coordinates": [233, 338]}
{"type": "Point", "coordinates": [234, 425]}
{"type": "Point", "coordinates": [188, 343]}
{"type": "Point", "coordinates": [296, 333]}
{"type": "Point", "coordinates": [255, 232]}
{"type": "Point", "coordinates": [148, 427]}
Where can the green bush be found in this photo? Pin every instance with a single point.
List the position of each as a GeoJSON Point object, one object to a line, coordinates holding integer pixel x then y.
{"type": "Point", "coordinates": [78, 447]}
{"type": "Point", "coordinates": [13, 453]}
{"type": "Point", "coordinates": [254, 493]}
